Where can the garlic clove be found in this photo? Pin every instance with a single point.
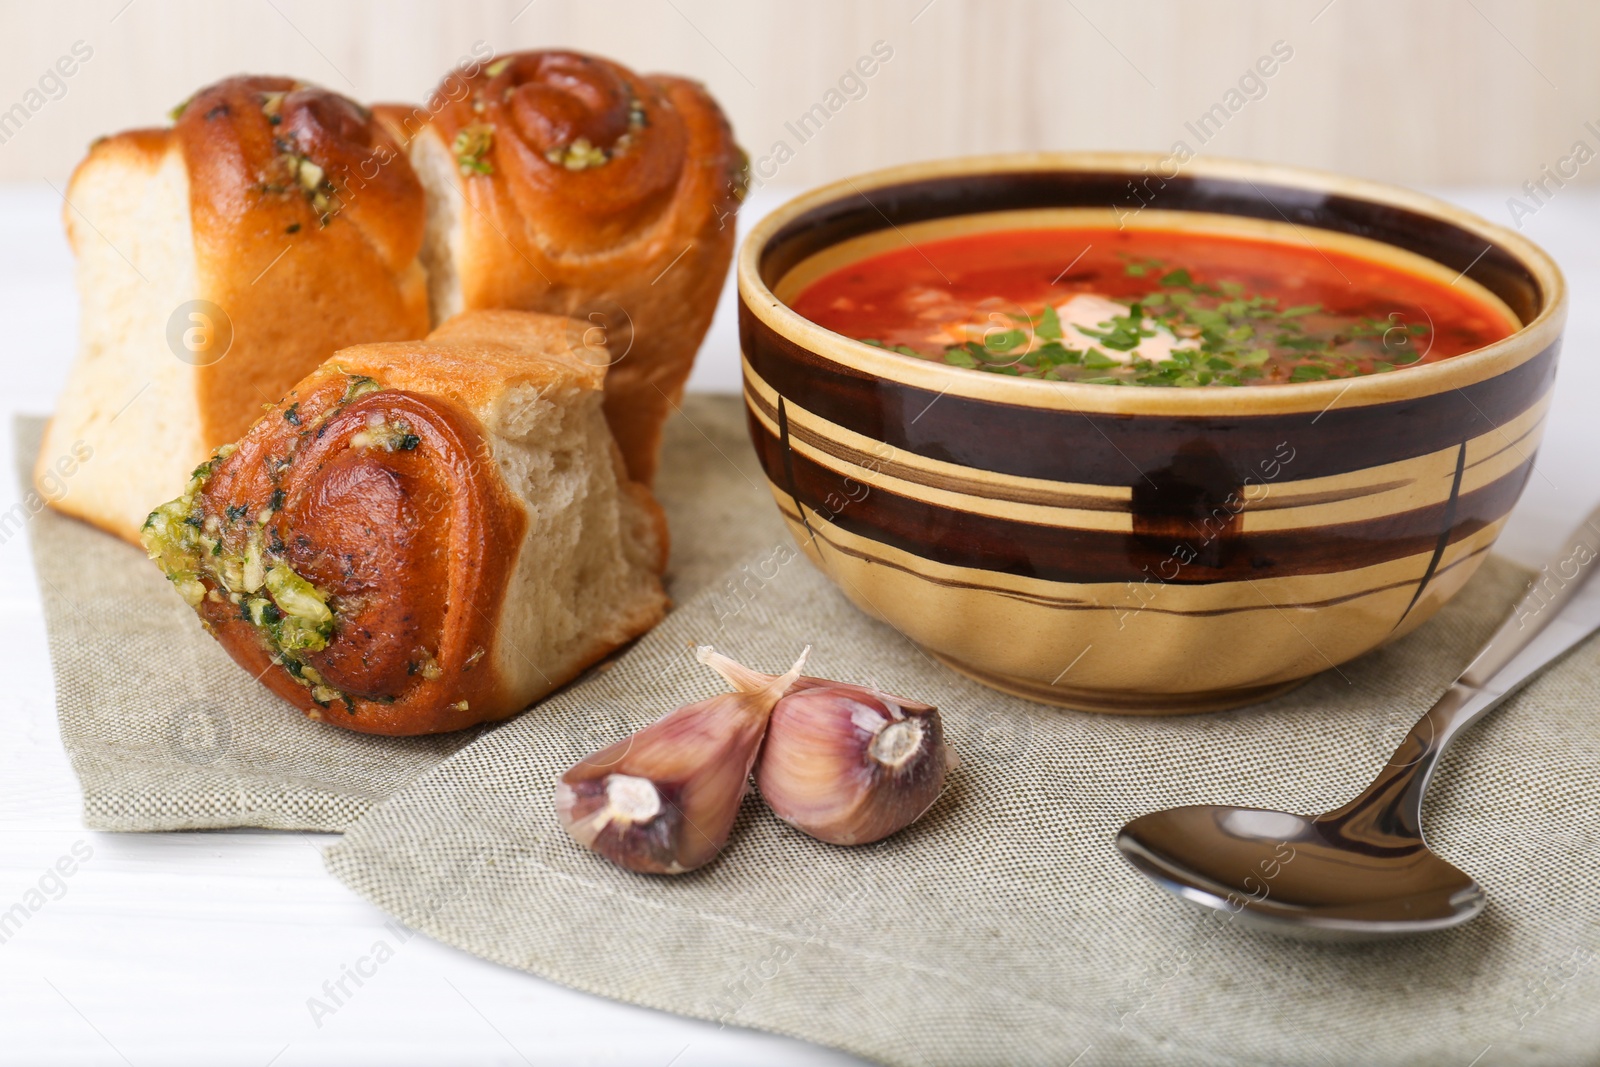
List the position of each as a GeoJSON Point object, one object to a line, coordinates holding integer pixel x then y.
{"type": "Point", "coordinates": [847, 764]}
{"type": "Point", "coordinates": [664, 800]}
{"type": "Point", "coordinates": [851, 766]}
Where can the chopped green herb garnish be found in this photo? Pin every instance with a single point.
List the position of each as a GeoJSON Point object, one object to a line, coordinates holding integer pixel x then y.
{"type": "Point", "coordinates": [1004, 341]}
{"type": "Point", "coordinates": [471, 146]}
{"type": "Point", "coordinates": [1049, 327]}
{"type": "Point", "coordinates": [1211, 334]}
{"type": "Point", "coordinates": [360, 385]}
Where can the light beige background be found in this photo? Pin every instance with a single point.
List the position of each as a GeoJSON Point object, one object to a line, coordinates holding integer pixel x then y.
{"type": "Point", "coordinates": [1430, 92]}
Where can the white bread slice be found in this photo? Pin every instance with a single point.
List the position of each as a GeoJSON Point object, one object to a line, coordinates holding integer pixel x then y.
{"type": "Point", "coordinates": [128, 401]}
{"type": "Point", "coordinates": [587, 576]}
{"type": "Point", "coordinates": [444, 241]}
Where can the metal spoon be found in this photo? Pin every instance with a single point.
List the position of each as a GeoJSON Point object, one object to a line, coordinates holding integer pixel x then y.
{"type": "Point", "coordinates": [1363, 871]}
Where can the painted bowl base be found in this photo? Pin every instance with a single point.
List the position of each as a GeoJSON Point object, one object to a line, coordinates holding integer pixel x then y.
{"type": "Point", "coordinates": [1113, 702]}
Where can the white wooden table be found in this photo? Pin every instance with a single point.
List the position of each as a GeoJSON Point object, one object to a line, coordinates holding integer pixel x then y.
{"type": "Point", "coordinates": [204, 948]}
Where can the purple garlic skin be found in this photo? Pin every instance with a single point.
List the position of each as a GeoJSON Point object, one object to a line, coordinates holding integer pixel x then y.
{"type": "Point", "coordinates": [851, 765]}
{"type": "Point", "coordinates": [847, 764]}
{"type": "Point", "coordinates": [664, 800]}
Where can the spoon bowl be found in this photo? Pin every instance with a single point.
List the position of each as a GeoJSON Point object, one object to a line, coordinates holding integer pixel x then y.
{"type": "Point", "coordinates": [1304, 876]}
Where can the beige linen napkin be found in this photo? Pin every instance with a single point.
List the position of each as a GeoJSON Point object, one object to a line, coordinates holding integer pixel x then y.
{"type": "Point", "coordinates": [1004, 927]}
{"type": "Point", "coordinates": [165, 732]}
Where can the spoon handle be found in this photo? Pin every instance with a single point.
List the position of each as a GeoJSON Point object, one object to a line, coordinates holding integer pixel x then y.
{"type": "Point", "coordinates": [1560, 608]}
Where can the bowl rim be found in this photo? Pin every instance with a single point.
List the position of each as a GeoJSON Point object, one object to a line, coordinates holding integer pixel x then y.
{"type": "Point", "coordinates": [1412, 382]}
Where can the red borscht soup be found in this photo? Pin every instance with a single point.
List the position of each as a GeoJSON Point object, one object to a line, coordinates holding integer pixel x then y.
{"type": "Point", "coordinates": [1151, 307]}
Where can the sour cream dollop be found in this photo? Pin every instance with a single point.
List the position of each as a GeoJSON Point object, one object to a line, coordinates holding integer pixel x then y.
{"type": "Point", "coordinates": [1092, 311]}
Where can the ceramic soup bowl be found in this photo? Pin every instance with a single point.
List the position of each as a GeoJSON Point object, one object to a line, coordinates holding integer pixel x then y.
{"type": "Point", "coordinates": [1141, 550]}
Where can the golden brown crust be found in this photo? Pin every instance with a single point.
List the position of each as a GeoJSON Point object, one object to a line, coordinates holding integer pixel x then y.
{"type": "Point", "coordinates": [307, 223]}
{"type": "Point", "coordinates": [409, 543]}
{"type": "Point", "coordinates": [375, 480]}
{"type": "Point", "coordinates": [468, 351]}
{"type": "Point", "coordinates": [142, 147]}
{"type": "Point", "coordinates": [637, 244]}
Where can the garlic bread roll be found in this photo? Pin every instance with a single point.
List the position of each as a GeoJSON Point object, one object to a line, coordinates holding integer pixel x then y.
{"type": "Point", "coordinates": [219, 261]}
{"type": "Point", "coordinates": [423, 536]}
{"type": "Point", "coordinates": [566, 183]}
